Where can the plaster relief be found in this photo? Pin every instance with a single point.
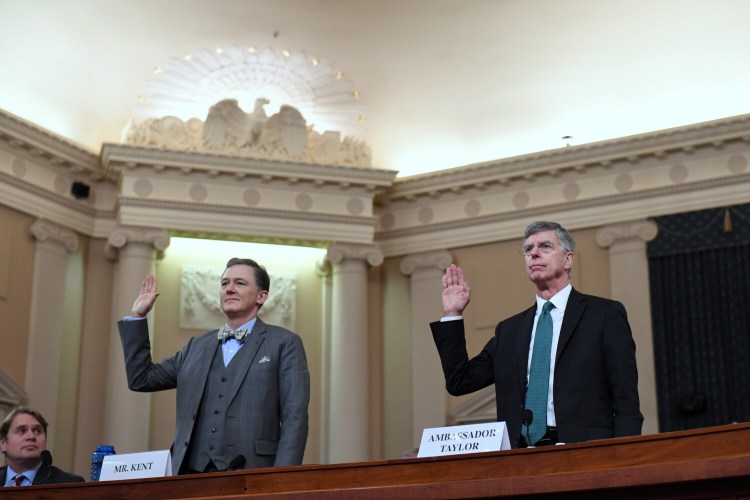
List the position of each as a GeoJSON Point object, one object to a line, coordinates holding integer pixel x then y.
{"type": "Point", "coordinates": [199, 298]}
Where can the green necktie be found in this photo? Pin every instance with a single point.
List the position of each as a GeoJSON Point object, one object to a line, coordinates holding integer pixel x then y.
{"type": "Point", "coordinates": [538, 389]}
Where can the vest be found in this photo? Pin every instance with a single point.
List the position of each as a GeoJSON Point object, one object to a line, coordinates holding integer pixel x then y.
{"type": "Point", "coordinates": [208, 442]}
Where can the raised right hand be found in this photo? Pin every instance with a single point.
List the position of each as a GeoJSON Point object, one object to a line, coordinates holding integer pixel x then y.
{"type": "Point", "coordinates": [456, 291]}
{"type": "Point", "coordinates": [146, 297]}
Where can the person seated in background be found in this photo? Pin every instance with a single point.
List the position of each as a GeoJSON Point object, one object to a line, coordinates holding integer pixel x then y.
{"type": "Point", "coordinates": [23, 441]}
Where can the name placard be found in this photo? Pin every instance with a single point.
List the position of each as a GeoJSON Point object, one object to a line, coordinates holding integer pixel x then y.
{"type": "Point", "coordinates": [458, 439]}
{"type": "Point", "coordinates": [136, 465]}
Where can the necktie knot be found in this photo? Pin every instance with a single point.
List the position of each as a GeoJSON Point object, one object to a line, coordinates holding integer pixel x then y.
{"type": "Point", "coordinates": [19, 479]}
{"type": "Point", "coordinates": [547, 307]}
{"type": "Point", "coordinates": [225, 333]}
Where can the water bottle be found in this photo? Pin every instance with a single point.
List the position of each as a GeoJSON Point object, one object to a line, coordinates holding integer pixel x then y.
{"type": "Point", "coordinates": [97, 458]}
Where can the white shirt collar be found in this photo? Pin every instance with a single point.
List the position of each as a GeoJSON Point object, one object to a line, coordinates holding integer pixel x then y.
{"type": "Point", "coordinates": [560, 300]}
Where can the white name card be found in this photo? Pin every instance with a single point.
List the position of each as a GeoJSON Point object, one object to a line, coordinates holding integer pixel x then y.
{"type": "Point", "coordinates": [458, 439]}
{"type": "Point", "coordinates": [136, 465]}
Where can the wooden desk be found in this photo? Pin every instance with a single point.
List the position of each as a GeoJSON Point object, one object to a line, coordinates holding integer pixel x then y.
{"type": "Point", "coordinates": [703, 463]}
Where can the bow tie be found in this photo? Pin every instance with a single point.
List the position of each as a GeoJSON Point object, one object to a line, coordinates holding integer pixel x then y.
{"type": "Point", "coordinates": [225, 332]}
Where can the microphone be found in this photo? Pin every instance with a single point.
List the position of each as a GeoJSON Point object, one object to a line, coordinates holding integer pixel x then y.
{"type": "Point", "coordinates": [527, 416]}
{"type": "Point", "coordinates": [236, 463]}
{"type": "Point", "coordinates": [46, 457]}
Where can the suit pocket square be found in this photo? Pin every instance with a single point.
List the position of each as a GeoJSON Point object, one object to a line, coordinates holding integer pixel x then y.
{"type": "Point", "coordinates": [264, 359]}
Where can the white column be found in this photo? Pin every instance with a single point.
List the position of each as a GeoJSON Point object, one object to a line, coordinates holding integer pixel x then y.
{"type": "Point", "coordinates": [53, 244]}
{"type": "Point", "coordinates": [323, 270]}
{"type": "Point", "coordinates": [349, 394]}
{"type": "Point", "coordinates": [628, 271]}
{"type": "Point", "coordinates": [126, 413]}
{"type": "Point", "coordinates": [427, 379]}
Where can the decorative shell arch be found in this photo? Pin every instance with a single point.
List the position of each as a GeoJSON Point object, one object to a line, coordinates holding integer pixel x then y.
{"type": "Point", "coordinates": [319, 115]}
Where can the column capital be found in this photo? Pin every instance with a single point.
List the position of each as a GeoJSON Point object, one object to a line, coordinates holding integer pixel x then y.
{"type": "Point", "coordinates": [439, 259]}
{"type": "Point", "coordinates": [121, 236]}
{"type": "Point", "coordinates": [46, 230]}
{"type": "Point", "coordinates": [323, 267]}
{"type": "Point", "coordinates": [644, 229]}
{"type": "Point", "coordinates": [338, 252]}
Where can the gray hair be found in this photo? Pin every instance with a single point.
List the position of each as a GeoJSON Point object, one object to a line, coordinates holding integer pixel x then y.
{"type": "Point", "coordinates": [566, 240]}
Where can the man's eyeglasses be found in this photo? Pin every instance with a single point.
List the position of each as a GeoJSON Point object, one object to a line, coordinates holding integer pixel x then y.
{"type": "Point", "coordinates": [544, 247]}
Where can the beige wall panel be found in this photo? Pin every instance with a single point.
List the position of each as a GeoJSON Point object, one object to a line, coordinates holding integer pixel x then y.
{"type": "Point", "coordinates": [17, 263]}
{"type": "Point", "coordinates": [591, 267]}
{"type": "Point", "coordinates": [95, 341]}
{"type": "Point", "coordinates": [396, 378]}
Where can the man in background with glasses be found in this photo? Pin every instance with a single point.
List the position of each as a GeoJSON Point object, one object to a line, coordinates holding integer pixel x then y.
{"type": "Point", "coordinates": [564, 370]}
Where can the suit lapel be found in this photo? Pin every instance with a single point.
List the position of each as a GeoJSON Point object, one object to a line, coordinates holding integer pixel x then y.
{"type": "Point", "coordinates": [42, 474]}
{"type": "Point", "coordinates": [524, 345]}
{"type": "Point", "coordinates": [573, 311]}
{"type": "Point", "coordinates": [203, 366]}
{"type": "Point", "coordinates": [245, 359]}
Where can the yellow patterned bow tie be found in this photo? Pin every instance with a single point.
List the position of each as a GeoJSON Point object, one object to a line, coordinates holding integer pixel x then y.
{"type": "Point", "coordinates": [225, 332]}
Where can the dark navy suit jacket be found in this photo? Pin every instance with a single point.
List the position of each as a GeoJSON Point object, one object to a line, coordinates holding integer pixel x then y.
{"type": "Point", "coordinates": [47, 474]}
{"type": "Point", "coordinates": [595, 387]}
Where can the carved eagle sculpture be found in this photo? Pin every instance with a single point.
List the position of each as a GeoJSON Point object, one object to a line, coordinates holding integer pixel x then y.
{"type": "Point", "coordinates": [285, 134]}
{"type": "Point", "coordinates": [257, 118]}
{"type": "Point", "coordinates": [226, 126]}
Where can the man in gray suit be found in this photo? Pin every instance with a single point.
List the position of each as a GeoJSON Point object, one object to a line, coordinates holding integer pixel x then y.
{"type": "Point", "coordinates": [242, 390]}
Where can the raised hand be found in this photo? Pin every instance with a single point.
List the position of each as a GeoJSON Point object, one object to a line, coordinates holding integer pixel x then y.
{"type": "Point", "coordinates": [456, 291]}
{"type": "Point", "coordinates": [146, 297]}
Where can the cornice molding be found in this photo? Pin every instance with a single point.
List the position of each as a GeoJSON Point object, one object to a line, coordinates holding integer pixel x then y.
{"type": "Point", "coordinates": [676, 170]}
{"type": "Point", "coordinates": [581, 159]}
{"type": "Point", "coordinates": [577, 215]}
{"type": "Point", "coordinates": [119, 158]}
{"type": "Point", "coordinates": [44, 204]}
{"type": "Point", "coordinates": [603, 202]}
{"type": "Point", "coordinates": [248, 211]}
{"type": "Point", "coordinates": [266, 240]}
{"type": "Point", "coordinates": [30, 140]}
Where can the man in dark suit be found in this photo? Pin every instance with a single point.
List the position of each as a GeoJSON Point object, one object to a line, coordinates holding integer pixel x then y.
{"type": "Point", "coordinates": [23, 440]}
{"type": "Point", "coordinates": [584, 383]}
{"type": "Point", "coordinates": [242, 391]}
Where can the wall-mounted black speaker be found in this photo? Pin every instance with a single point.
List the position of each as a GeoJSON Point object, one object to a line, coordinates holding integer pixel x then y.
{"type": "Point", "coordinates": [80, 190]}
